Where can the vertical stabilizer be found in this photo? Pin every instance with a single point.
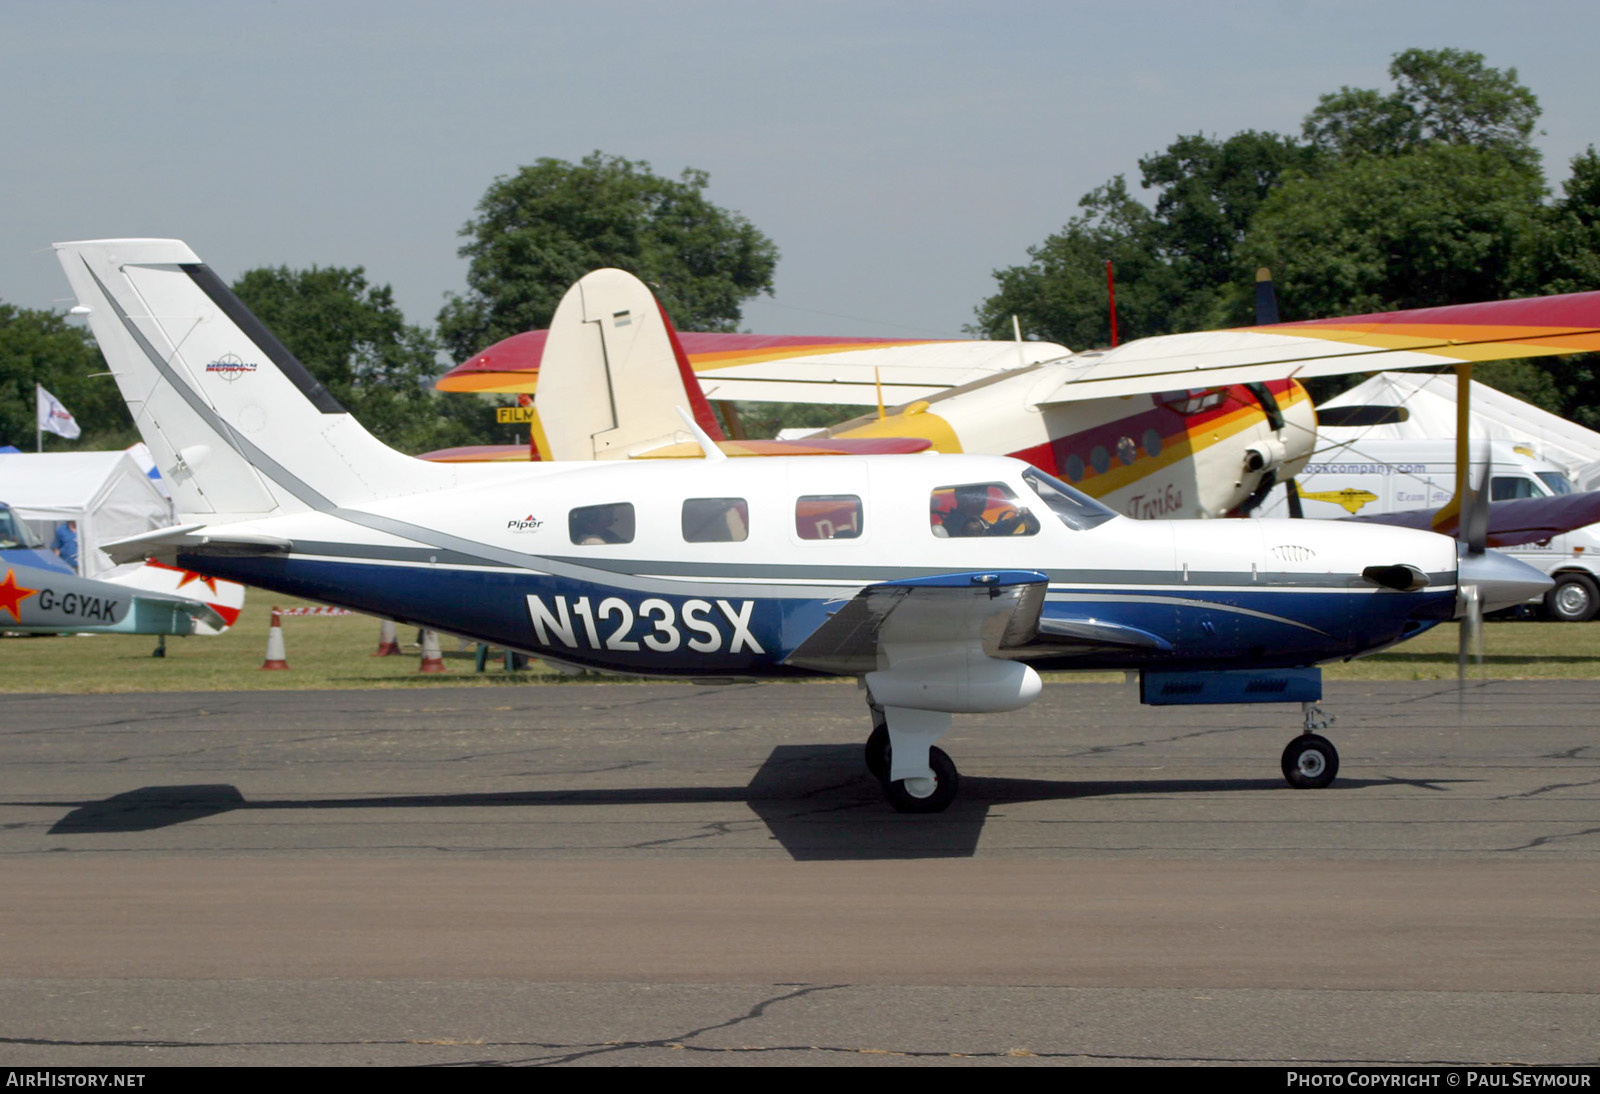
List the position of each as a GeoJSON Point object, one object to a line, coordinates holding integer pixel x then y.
{"type": "Point", "coordinates": [612, 373]}
{"type": "Point", "coordinates": [235, 422]}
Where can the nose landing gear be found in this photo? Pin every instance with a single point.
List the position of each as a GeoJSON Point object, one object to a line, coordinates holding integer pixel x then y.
{"type": "Point", "coordinates": [1310, 761]}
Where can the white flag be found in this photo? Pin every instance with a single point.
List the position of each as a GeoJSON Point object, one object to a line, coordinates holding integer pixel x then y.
{"type": "Point", "coordinates": [53, 417]}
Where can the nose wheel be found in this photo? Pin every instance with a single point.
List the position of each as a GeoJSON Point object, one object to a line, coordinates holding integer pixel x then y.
{"type": "Point", "coordinates": [1310, 762]}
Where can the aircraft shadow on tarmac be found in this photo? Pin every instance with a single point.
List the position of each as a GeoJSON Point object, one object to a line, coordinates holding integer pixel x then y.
{"type": "Point", "coordinates": [816, 801]}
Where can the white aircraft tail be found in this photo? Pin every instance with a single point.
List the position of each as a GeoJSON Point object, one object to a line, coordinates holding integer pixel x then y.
{"type": "Point", "coordinates": [612, 373]}
{"type": "Point", "coordinates": [237, 425]}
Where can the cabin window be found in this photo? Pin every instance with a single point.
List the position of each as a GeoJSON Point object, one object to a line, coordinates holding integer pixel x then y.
{"type": "Point", "coordinates": [979, 509]}
{"type": "Point", "coordinates": [594, 524]}
{"type": "Point", "coordinates": [1075, 508]}
{"type": "Point", "coordinates": [716, 520]}
{"type": "Point", "coordinates": [828, 516]}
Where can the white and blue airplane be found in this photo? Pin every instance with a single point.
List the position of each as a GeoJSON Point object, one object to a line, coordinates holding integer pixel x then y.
{"type": "Point", "coordinates": [944, 582]}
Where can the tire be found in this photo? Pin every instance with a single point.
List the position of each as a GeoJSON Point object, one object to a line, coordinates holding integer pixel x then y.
{"type": "Point", "coordinates": [877, 753]}
{"type": "Point", "coordinates": [1573, 600]}
{"type": "Point", "coordinates": [947, 782]}
{"type": "Point", "coordinates": [1310, 762]}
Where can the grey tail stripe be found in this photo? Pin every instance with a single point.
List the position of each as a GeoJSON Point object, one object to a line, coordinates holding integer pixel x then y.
{"type": "Point", "coordinates": [262, 463]}
{"type": "Point", "coordinates": [224, 298]}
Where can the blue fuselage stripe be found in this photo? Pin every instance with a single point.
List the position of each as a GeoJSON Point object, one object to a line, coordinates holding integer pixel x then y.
{"type": "Point", "coordinates": [677, 633]}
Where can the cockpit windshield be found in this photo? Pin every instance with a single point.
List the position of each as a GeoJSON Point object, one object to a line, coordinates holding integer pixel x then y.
{"type": "Point", "coordinates": [14, 532]}
{"type": "Point", "coordinates": [1555, 481]}
{"type": "Point", "coordinates": [1075, 508]}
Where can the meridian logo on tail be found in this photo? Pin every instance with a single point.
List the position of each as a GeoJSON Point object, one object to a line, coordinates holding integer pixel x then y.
{"type": "Point", "coordinates": [229, 367]}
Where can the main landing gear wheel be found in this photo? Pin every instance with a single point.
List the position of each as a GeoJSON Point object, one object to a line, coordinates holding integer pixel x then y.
{"type": "Point", "coordinates": [878, 752]}
{"type": "Point", "coordinates": [1310, 762]}
{"type": "Point", "coordinates": [918, 796]}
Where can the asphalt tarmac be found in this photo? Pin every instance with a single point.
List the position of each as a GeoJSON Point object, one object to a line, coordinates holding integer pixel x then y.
{"type": "Point", "coordinates": [678, 875]}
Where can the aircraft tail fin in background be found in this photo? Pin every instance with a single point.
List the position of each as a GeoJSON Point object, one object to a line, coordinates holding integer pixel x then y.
{"type": "Point", "coordinates": [612, 373]}
{"type": "Point", "coordinates": [236, 423]}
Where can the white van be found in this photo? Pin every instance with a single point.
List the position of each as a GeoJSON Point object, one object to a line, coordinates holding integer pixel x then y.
{"type": "Point", "coordinates": [1390, 476]}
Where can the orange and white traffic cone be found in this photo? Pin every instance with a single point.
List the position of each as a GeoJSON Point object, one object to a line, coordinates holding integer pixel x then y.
{"type": "Point", "coordinates": [388, 640]}
{"type": "Point", "coordinates": [432, 659]}
{"type": "Point", "coordinates": [276, 656]}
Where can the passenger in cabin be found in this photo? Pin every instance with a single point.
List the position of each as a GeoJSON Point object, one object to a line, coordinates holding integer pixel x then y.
{"type": "Point", "coordinates": [599, 524]}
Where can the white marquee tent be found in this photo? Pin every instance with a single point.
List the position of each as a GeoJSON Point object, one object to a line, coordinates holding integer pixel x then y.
{"type": "Point", "coordinates": [1496, 416]}
{"type": "Point", "coordinates": [105, 492]}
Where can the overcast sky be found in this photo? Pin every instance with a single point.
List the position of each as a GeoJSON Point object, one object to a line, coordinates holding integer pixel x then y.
{"type": "Point", "coordinates": [896, 152]}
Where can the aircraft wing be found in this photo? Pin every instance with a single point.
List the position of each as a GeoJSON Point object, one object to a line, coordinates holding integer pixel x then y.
{"type": "Point", "coordinates": [784, 368]}
{"type": "Point", "coordinates": [1512, 522]}
{"type": "Point", "coordinates": [848, 370]}
{"type": "Point", "coordinates": [983, 611]}
{"type": "Point", "coordinates": [996, 614]}
{"type": "Point", "coordinates": [1417, 338]}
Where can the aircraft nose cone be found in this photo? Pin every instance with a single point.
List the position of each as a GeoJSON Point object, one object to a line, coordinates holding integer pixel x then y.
{"type": "Point", "coordinates": [1502, 581]}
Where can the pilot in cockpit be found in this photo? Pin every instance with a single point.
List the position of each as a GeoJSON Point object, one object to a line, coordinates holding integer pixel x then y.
{"type": "Point", "coordinates": [966, 517]}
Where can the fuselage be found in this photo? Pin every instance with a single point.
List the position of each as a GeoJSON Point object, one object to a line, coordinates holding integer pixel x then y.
{"type": "Point", "coordinates": [726, 567]}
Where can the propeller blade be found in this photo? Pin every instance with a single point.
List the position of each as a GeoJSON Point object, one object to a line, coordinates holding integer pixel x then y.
{"type": "Point", "coordinates": [1475, 513]}
{"type": "Point", "coordinates": [1362, 416]}
{"type": "Point", "coordinates": [1471, 644]}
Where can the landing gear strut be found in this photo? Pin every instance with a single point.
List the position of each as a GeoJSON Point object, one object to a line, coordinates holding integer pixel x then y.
{"type": "Point", "coordinates": [878, 746]}
{"type": "Point", "coordinates": [931, 793]}
{"type": "Point", "coordinates": [926, 795]}
{"type": "Point", "coordinates": [1310, 761]}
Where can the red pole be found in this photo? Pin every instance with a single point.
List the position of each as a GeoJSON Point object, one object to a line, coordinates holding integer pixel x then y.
{"type": "Point", "coordinates": [533, 446]}
{"type": "Point", "coordinates": [1111, 292]}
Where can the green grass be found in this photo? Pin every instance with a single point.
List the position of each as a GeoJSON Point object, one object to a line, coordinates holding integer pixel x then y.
{"type": "Point", "coordinates": [336, 652]}
{"type": "Point", "coordinates": [323, 652]}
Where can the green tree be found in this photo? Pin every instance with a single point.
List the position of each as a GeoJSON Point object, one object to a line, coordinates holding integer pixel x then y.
{"type": "Point", "coordinates": [541, 229]}
{"type": "Point", "coordinates": [1175, 265]}
{"type": "Point", "coordinates": [1571, 242]}
{"type": "Point", "coordinates": [1444, 224]}
{"type": "Point", "coordinates": [1209, 193]}
{"type": "Point", "coordinates": [1441, 96]}
{"type": "Point", "coordinates": [354, 339]}
{"type": "Point", "coordinates": [43, 347]}
{"type": "Point", "coordinates": [1060, 295]}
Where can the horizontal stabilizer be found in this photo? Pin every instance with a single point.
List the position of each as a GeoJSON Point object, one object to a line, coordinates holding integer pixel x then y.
{"type": "Point", "coordinates": [163, 544]}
